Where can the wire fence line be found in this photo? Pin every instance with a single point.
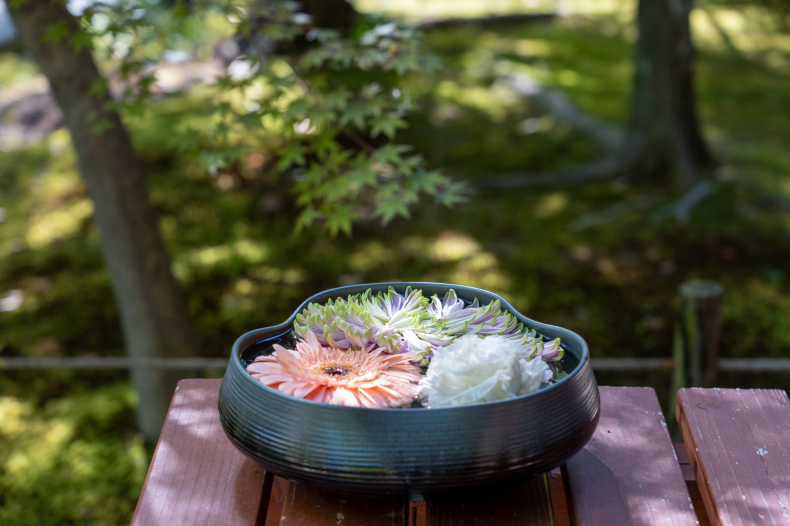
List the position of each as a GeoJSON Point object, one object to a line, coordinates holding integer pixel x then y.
{"type": "Point", "coordinates": [747, 365]}
{"type": "Point", "coordinates": [754, 365]}
{"type": "Point", "coordinates": [112, 362]}
{"type": "Point", "coordinates": [632, 364]}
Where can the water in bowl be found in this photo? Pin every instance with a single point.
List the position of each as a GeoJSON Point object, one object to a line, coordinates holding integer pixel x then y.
{"type": "Point", "coordinates": [288, 340]}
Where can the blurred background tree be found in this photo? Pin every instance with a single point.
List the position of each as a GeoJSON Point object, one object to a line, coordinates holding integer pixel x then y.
{"type": "Point", "coordinates": [153, 313]}
{"type": "Point", "coordinates": [664, 142]}
{"type": "Point", "coordinates": [247, 123]}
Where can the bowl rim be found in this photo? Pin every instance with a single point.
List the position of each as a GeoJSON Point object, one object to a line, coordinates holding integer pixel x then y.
{"type": "Point", "coordinates": [287, 325]}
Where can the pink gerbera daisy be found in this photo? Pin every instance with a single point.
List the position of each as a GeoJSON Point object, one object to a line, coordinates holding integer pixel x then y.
{"type": "Point", "coordinates": [363, 378]}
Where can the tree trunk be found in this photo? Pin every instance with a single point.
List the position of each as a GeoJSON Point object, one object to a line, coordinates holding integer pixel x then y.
{"type": "Point", "coordinates": [334, 14]}
{"type": "Point", "coordinates": [154, 315]}
{"type": "Point", "coordinates": [664, 143]}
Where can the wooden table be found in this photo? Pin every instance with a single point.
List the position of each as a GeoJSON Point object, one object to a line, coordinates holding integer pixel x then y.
{"type": "Point", "coordinates": [733, 468]}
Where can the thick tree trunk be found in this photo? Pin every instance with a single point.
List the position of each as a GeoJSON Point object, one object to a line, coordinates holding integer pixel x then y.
{"type": "Point", "coordinates": [154, 315]}
{"type": "Point", "coordinates": [664, 143]}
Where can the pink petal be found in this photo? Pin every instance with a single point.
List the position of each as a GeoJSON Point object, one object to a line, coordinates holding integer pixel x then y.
{"type": "Point", "coordinates": [306, 390]}
{"type": "Point", "coordinates": [367, 400]}
{"type": "Point", "coordinates": [290, 387]}
{"type": "Point", "coordinates": [265, 367]}
{"type": "Point", "coordinates": [317, 395]}
{"type": "Point", "coordinates": [347, 398]}
{"type": "Point", "coordinates": [382, 400]}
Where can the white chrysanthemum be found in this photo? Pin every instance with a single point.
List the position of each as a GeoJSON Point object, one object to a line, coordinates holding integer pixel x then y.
{"type": "Point", "coordinates": [474, 369]}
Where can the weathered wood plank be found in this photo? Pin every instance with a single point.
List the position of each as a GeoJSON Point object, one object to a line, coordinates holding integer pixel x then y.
{"type": "Point", "coordinates": [276, 499]}
{"type": "Point", "coordinates": [524, 504]}
{"type": "Point", "coordinates": [309, 506]}
{"type": "Point", "coordinates": [691, 483]}
{"type": "Point", "coordinates": [416, 513]}
{"type": "Point", "coordinates": [197, 477]}
{"type": "Point", "coordinates": [559, 502]}
{"type": "Point", "coordinates": [738, 441]}
{"type": "Point", "coordinates": [628, 472]}
{"type": "Point", "coordinates": [684, 461]}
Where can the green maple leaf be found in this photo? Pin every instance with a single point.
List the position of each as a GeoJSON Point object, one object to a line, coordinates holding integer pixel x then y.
{"type": "Point", "coordinates": [292, 154]}
{"type": "Point", "coordinates": [325, 147]}
{"type": "Point", "coordinates": [337, 100]}
{"type": "Point", "coordinates": [355, 114]}
{"type": "Point", "coordinates": [307, 217]}
{"type": "Point", "coordinates": [428, 182]}
{"type": "Point", "coordinates": [390, 153]}
{"type": "Point", "coordinates": [315, 174]}
{"type": "Point", "coordinates": [80, 40]}
{"type": "Point", "coordinates": [56, 33]}
{"type": "Point", "coordinates": [340, 219]}
{"type": "Point", "coordinates": [251, 120]}
{"type": "Point", "coordinates": [391, 208]}
{"type": "Point", "coordinates": [452, 193]}
{"type": "Point", "coordinates": [387, 125]}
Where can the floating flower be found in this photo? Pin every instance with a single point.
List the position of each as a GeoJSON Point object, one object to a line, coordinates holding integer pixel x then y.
{"type": "Point", "coordinates": [475, 369]}
{"type": "Point", "coordinates": [533, 345]}
{"type": "Point", "coordinates": [396, 310]}
{"type": "Point", "coordinates": [413, 323]}
{"type": "Point", "coordinates": [397, 323]}
{"type": "Point", "coordinates": [452, 314]}
{"type": "Point", "coordinates": [339, 323]}
{"type": "Point", "coordinates": [363, 378]}
{"type": "Point", "coordinates": [456, 318]}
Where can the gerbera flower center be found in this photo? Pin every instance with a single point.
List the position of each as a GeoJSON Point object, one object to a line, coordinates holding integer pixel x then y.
{"type": "Point", "coordinates": [336, 369]}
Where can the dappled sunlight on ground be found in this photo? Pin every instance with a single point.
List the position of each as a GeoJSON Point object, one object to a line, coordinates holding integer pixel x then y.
{"type": "Point", "coordinates": [81, 453]}
{"type": "Point", "coordinates": [421, 10]}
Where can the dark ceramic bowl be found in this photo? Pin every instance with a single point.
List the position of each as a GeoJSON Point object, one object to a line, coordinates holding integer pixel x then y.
{"type": "Point", "coordinates": [387, 451]}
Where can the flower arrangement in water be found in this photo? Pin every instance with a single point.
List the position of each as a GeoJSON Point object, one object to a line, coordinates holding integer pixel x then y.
{"type": "Point", "coordinates": [367, 377]}
{"type": "Point", "coordinates": [366, 351]}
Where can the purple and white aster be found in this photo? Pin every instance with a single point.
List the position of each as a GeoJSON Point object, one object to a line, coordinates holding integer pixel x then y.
{"type": "Point", "coordinates": [394, 309]}
{"type": "Point", "coordinates": [551, 351]}
{"type": "Point", "coordinates": [319, 319]}
{"type": "Point", "coordinates": [402, 323]}
{"type": "Point", "coordinates": [457, 319]}
{"type": "Point", "coordinates": [533, 345]}
{"type": "Point", "coordinates": [413, 323]}
{"type": "Point", "coordinates": [452, 314]}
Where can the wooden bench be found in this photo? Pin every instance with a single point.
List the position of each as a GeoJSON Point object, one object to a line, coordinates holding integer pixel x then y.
{"type": "Point", "coordinates": [738, 444]}
{"type": "Point", "coordinates": [738, 441]}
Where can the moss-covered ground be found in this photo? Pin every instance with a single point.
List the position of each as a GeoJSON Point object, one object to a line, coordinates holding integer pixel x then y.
{"type": "Point", "coordinates": [69, 453]}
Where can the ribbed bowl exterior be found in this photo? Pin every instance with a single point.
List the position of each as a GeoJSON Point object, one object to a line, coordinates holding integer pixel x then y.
{"type": "Point", "coordinates": [387, 451]}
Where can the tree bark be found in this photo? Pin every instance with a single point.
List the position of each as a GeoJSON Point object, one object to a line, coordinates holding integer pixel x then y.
{"type": "Point", "coordinates": [154, 315]}
{"type": "Point", "coordinates": [332, 14]}
{"type": "Point", "coordinates": [664, 143]}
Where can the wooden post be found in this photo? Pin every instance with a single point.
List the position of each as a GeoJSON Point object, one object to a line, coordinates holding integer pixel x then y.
{"type": "Point", "coordinates": [700, 305]}
{"type": "Point", "coordinates": [695, 342]}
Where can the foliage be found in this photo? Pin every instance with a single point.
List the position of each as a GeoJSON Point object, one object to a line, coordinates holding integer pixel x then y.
{"type": "Point", "coordinates": [331, 105]}
{"type": "Point", "coordinates": [72, 461]}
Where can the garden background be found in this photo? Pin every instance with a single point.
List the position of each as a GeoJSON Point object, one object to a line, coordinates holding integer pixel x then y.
{"type": "Point", "coordinates": [537, 97]}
